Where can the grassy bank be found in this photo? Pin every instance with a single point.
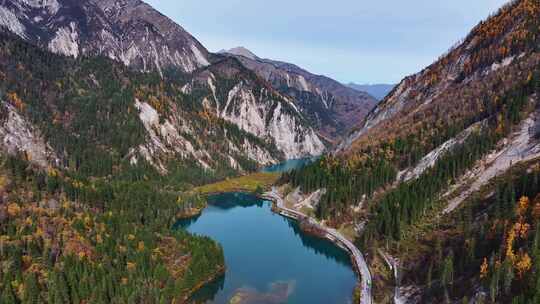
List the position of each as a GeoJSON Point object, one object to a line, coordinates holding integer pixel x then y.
{"type": "Point", "coordinates": [248, 183]}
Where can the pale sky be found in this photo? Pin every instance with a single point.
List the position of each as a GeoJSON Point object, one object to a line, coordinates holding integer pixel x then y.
{"type": "Point", "coordinates": [378, 41]}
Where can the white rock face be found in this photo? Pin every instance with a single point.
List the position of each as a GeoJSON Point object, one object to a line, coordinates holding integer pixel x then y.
{"type": "Point", "coordinates": [66, 41]}
{"type": "Point", "coordinates": [264, 118]}
{"type": "Point", "coordinates": [119, 30]}
{"type": "Point", "coordinates": [303, 83]}
{"type": "Point", "coordinates": [52, 6]}
{"type": "Point", "coordinates": [19, 136]}
{"type": "Point", "coordinates": [164, 138]}
{"type": "Point", "coordinates": [505, 62]}
{"type": "Point", "coordinates": [243, 110]}
{"type": "Point", "coordinates": [258, 154]}
{"type": "Point", "coordinates": [431, 158]}
{"type": "Point", "coordinates": [519, 148]}
{"type": "Point", "coordinates": [199, 57]}
{"type": "Point", "coordinates": [9, 20]}
{"type": "Point", "coordinates": [293, 139]}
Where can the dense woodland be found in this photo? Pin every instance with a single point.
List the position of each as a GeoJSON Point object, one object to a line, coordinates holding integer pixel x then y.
{"type": "Point", "coordinates": [114, 247]}
{"type": "Point", "coordinates": [491, 245]}
{"type": "Point", "coordinates": [96, 228]}
{"type": "Point", "coordinates": [407, 203]}
{"type": "Point", "coordinates": [85, 109]}
{"type": "Point", "coordinates": [352, 180]}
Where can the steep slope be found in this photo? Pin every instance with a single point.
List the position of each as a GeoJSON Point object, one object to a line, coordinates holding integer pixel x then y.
{"type": "Point", "coordinates": [114, 29]}
{"type": "Point", "coordinates": [496, 55]}
{"type": "Point", "coordinates": [331, 107]}
{"type": "Point", "coordinates": [73, 113]}
{"type": "Point", "coordinates": [434, 177]}
{"type": "Point", "coordinates": [379, 91]}
{"type": "Point", "coordinates": [237, 95]}
{"type": "Point", "coordinates": [129, 31]}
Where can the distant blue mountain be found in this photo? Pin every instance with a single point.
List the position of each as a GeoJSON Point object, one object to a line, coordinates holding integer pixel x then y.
{"type": "Point", "coordinates": [379, 91]}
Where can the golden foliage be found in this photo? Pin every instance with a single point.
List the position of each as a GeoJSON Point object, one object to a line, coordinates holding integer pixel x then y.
{"type": "Point", "coordinates": [13, 209]}
{"type": "Point", "coordinates": [484, 269]}
{"type": "Point", "coordinates": [131, 266]}
{"type": "Point", "coordinates": [523, 205]}
{"type": "Point", "coordinates": [510, 244]}
{"type": "Point", "coordinates": [524, 264]}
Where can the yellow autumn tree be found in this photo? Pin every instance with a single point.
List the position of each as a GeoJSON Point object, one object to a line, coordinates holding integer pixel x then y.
{"type": "Point", "coordinates": [510, 244]}
{"type": "Point", "coordinates": [523, 205]}
{"type": "Point", "coordinates": [484, 268]}
{"type": "Point", "coordinates": [524, 264]}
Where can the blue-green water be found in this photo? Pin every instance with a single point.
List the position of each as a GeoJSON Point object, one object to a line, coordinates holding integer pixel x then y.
{"type": "Point", "coordinates": [289, 165]}
{"type": "Point", "coordinates": [269, 260]}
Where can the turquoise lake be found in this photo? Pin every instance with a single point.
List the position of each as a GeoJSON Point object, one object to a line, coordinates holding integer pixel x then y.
{"type": "Point", "coordinates": [269, 260]}
{"type": "Point", "coordinates": [289, 165]}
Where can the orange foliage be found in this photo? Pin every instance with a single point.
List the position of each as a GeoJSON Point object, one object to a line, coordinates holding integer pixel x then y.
{"type": "Point", "coordinates": [510, 244]}
{"type": "Point", "coordinates": [13, 209]}
{"type": "Point", "coordinates": [523, 265]}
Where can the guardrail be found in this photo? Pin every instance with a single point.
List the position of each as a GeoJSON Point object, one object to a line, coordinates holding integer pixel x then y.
{"type": "Point", "coordinates": [333, 235]}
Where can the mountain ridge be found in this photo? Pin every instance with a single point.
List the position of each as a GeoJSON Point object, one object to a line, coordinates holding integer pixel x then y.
{"type": "Point", "coordinates": [332, 107]}
{"type": "Point", "coordinates": [112, 28]}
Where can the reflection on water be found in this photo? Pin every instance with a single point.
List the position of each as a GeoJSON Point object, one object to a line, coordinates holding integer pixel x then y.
{"type": "Point", "coordinates": [268, 258]}
{"type": "Point", "coordinates": [228, 201]}
{"type": "Point", "coordinates": [320, 246]}
{"type": "Point", "coordinates": [278, 293]}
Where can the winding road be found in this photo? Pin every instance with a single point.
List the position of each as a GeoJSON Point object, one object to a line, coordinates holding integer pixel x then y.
{"type": "Point", "coordinates": [332, 234]}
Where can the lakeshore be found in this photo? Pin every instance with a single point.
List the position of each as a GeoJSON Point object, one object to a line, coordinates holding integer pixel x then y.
{"type": "Point", "coordinates": [331, 234]}
{"type": "Point", "coordinates": [269, 257]}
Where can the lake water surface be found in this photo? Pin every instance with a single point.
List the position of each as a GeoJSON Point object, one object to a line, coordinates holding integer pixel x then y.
{"type": "Point", "coordinates": [289, 165]}
{"type": "Point", "coordinates": [269, 260]}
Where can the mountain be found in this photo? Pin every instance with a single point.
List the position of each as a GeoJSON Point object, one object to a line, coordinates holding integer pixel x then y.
{"type": "Point", "coordinates": [129, 31]}
{"type": "Point", "coordinates": [441, 181]}
{"type": "Point", "coordinates": [132, 33]}
{"type": "Point", "coordinates": [237, 95]}
{"type": "Point", "coordinates": [448, 91]}
{"type": "Point", "coordinates": [334, 109]}
{"type": "Point", "coordinates": [379, 91]}
{"type": "Point", "coordinates": [240, 51]}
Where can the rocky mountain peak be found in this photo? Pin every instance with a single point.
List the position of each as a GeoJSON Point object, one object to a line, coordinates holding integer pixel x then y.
{"type": "Point", "coordinates": [129, 31]}
{"type": "Point", "coordinates": [241, 51]}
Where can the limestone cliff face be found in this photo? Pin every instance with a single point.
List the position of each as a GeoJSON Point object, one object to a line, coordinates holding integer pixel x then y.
{"type": "Point", "coordinates": [237, 95]}
{"type": "Point", "coordinates": [129, 31]}
{"type": "Point", "coordinates": [17, 135]}
{"type": "Point", "coordinates": [135, 35]}
{"type": "Point", "coordinates": [332, 108]}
